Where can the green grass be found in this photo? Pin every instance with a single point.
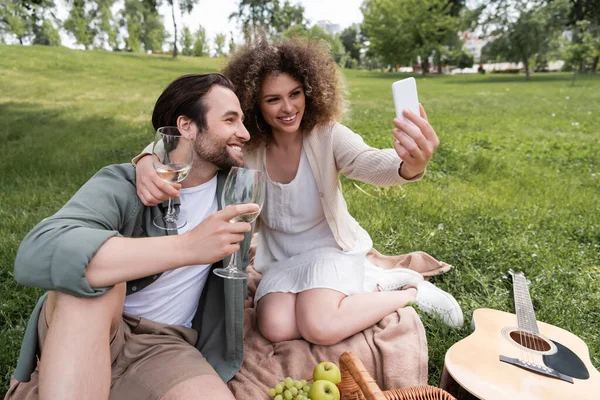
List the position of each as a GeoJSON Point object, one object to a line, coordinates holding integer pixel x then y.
{"type": "Point", "coordinates": [511, 185]}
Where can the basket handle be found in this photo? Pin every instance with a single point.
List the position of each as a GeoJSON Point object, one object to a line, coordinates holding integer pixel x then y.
{"type": "Point", "coordinates": [356, 378]}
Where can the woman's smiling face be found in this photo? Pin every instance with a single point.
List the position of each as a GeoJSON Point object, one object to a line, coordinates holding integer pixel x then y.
{"type": "Point", "coordinates": [282, 103]}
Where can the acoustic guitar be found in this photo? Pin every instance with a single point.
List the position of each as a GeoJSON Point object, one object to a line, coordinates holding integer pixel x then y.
{"type": "Point", "coordinates": [516, 357]}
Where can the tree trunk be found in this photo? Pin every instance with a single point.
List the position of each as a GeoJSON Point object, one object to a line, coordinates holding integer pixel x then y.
{"type": "Point", "coordinates": [527, 72]}
{"type": "Point", "coordinates": [174, 30]}
{"type": "Point", "coordinates": [595, 64]}
{"type": "Point", "coordinates": [424, 65]}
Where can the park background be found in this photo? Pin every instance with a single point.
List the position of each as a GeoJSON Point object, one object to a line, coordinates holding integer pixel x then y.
{"type": "Point", "coordinates": [515, 183]}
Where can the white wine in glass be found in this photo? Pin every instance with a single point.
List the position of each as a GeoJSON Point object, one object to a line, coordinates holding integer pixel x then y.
{"type": "Point", "coordinates": [174, 146]}
{"type": "Point", "coordinates": [242, 186]}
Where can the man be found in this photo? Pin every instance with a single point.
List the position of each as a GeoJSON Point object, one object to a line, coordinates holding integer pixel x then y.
{"type": "Point", "coordinates": [133, 312]}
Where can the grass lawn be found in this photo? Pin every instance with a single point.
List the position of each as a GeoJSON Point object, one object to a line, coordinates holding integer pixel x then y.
{"type": "Point", "coordinates": [514, 184]}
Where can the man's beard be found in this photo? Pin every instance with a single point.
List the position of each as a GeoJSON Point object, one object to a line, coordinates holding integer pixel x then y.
{"type": "Point", "coordinates": [217, 155]}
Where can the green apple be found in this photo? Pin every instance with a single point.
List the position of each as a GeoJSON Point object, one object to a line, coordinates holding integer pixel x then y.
{"type": "Point", "coordinates": [327, 371]}
{"type": "Point", "coordinates": [324, 390]}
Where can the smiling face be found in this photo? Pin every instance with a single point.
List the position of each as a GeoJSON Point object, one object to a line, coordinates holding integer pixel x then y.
{"type": "Point", "coordinates": [222, 142]}
{"type": "Point", "coordinates": [282, 103]}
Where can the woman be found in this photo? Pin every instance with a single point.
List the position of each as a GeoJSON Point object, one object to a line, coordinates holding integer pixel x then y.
{"type": "Point", "coordinates": [311, 251]}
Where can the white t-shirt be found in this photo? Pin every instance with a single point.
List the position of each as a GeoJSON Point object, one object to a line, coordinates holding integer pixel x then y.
{"type": "Point", "coordinates": [173, 298]}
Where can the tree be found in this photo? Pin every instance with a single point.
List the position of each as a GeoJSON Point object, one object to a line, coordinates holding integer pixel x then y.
{"type": "Point", "coordinates": [585, 10]}
{"type": "Point", "coordinates": [585, 49]}
{"type": "Point", "coordinates": [350, 38]}
{"type": "Point", "coordinates": [220, 40]}
{"type": "Point", "coordinates": [185, 6]}
{"type": "Point", "coordinates": [232, 45]}
{"type": "Point", "coordinates": [524, 29]}
{"type": "Point", "coordinates": [24, 19]}
{"type": "Point", "coordinates": [15, 20]}
{"type": "Point", "coordinates": [80, 23]}
{"type": "Point", "coordinates": [145, 28]}
{"type": "Point", "coordinates": [187, 41]}
{"type": "Point", "coordinates": [46, 34]}
{"type": "Point", "coordinates": [267, 16]}
{"type": "Point", "coordinates": [288, 16]}
{"type": "Point", "coordinates": [106, 25]}
{"type": "Point", "coordinates": [401, 31]}
{"type": "Point", "coordinates": [200, 48]}
{"type": "Point", "coordinates": [336, 49]}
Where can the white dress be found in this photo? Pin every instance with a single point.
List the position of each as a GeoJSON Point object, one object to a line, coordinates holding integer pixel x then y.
{"type": "Point", "coordinates": [296, 249]}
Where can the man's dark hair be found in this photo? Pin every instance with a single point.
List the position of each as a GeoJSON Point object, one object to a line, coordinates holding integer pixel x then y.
{"type": "Point", "coordinates": [184, 96]}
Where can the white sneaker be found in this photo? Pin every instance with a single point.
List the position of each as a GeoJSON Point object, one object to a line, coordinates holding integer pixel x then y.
{"type": "Point", "coordinates": [433, 300]}
{"type": "Point", "coordinates": [397, 278]}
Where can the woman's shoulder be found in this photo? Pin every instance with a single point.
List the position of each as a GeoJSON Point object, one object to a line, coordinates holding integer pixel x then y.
{"type": "Point", "coordinates": [330, 129]}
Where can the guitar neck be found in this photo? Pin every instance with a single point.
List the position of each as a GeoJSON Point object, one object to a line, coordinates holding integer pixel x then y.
{"type": "Point", "coordinates": [523, 305]}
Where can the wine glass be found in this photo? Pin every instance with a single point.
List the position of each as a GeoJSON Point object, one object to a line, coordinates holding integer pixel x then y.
{"type": "Point", "coordinates": [174, 146]}
{"type": "Point", "coordinates": [241, 186]}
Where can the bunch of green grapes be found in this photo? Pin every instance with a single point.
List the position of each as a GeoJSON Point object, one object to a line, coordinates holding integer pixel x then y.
{"type": "Point", "coordinates": [290, 389]}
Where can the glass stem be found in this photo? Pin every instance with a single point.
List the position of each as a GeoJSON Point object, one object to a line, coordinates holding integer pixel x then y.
{"type": "Point", "coordinates": [170, 216]}
{"type": "Point", "coordinates": [233, 261]}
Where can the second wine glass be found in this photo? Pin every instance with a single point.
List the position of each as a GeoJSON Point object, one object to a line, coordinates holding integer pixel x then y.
{"type": "Point", "coordinates": [242, 186]}
{"type": "Point", "coordinates": [173, 145]}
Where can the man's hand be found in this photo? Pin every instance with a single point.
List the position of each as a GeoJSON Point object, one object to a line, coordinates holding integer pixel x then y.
{"type": "Point", "coordinates": [415, 144]}
{"type": "Point", "coordinates": [216, 237]}
{"type": "Point", "coordinates": [150, 188]}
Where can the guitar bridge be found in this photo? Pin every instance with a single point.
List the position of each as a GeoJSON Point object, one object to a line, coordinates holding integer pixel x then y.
{"type": "Point", "coordinates": [538, 369]}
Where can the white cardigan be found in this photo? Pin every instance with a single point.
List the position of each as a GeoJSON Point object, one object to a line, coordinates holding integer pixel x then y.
{"type": "Point", "coordinates": [333, 150]}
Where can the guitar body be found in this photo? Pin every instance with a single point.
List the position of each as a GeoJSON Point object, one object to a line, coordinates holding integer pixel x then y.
{"type": "Point", "coordinates": [473, 369]}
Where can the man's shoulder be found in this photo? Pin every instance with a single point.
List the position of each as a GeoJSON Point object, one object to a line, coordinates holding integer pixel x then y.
{"type": "Point", "coordinates": [119, 172]}
{"type": "Point", "coordinates": [116, 181]}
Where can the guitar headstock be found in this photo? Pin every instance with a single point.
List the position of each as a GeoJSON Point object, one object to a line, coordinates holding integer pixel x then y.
{"type": "Point", "coordinates": [520, 274]}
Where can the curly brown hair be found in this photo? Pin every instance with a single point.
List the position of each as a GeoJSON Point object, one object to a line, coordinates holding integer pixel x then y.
{"type": "Point", "coordinates": [307, 61]}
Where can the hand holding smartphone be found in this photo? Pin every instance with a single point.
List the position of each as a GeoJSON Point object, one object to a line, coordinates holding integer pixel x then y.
{"type": "Point", "coordinates": [405, 96]}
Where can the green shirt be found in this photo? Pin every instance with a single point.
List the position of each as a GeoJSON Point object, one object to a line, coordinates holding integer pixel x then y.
{"type": "Point", "coordinates": [55, 254]}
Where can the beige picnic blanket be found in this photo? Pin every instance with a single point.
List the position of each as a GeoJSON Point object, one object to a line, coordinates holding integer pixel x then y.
{"type": "Point", "coordinates": [394, 351]}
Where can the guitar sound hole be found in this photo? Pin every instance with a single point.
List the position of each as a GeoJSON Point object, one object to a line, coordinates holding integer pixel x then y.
{"type": "Point", "coordinates": [530, 341]}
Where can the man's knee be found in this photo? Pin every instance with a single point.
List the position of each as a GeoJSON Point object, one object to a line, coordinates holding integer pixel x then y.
{"type": "Point", "coordinates": [200, 387]}
{"type": "Point", "coordinates": [106, 308]}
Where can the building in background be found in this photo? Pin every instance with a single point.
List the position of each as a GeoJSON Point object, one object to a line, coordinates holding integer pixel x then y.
{"type": "Point", "coordinates": [329, 27]}
{"type": "Point", "coordinates": [473, 44]}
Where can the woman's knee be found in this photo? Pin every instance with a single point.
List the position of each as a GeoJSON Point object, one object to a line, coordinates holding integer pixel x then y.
{"type": "Point", "coordinates": [319, 329]}
{"type": "Point", "coordinates": [277, 328]}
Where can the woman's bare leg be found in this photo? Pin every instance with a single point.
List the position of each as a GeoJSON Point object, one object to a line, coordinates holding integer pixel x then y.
{"type": "Point", "coordinates": [326, 316]}
{"type": "Point", "coordinates": [276, 317]}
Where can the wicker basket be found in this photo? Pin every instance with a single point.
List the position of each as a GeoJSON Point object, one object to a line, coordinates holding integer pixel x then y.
{"type": "Point", "coordinates": [357, 384]}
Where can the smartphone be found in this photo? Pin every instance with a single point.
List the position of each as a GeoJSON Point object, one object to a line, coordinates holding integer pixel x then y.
{"type": "Point", "coordinates": [405, 96]}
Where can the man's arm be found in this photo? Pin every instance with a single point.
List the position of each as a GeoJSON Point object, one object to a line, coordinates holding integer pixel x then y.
{"type": "Point", "coordinates": [211, 241]}
{"type": "Point", "coordinates": [80, 250]}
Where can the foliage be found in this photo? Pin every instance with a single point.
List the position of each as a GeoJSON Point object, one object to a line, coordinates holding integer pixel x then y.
{"type": "Point", "coordinates": [46, 34]}
{"type": "Point", "coordinates": [145, 28]}
{"type": "Point", "coordinates": [256, 17]}
{"type": "Point", "coordinates": [510, 186]}
{"type": "Point", "coordinates": [585, 45]}
{"type": "Point", "coordinates": [80, 22]}
{"type": "Point", "coordinates": [200, 48]}
{"type": "Point", "coordinates": [403, 30]}
{"type": "Point", "coordinates": [523, 29]}
{"type": "Point", "coordinates": [28, 20]}
{"type": "Point", "coordinates": [185, 6]}
{"type": "Point", "coordinates": [351, 40]}
{"type": "Point", "coordinates": [336, 49]}
{"type": "Point", "coordinates": [220, 40]}
{"type": "Point", "coordinates": [187, 41]}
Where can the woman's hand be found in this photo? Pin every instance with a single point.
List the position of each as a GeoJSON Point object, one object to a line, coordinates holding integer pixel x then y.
{"type": "Point", "coordinates": [415, 144]}
{"type": "Point", "coordinates": [150, 188]}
